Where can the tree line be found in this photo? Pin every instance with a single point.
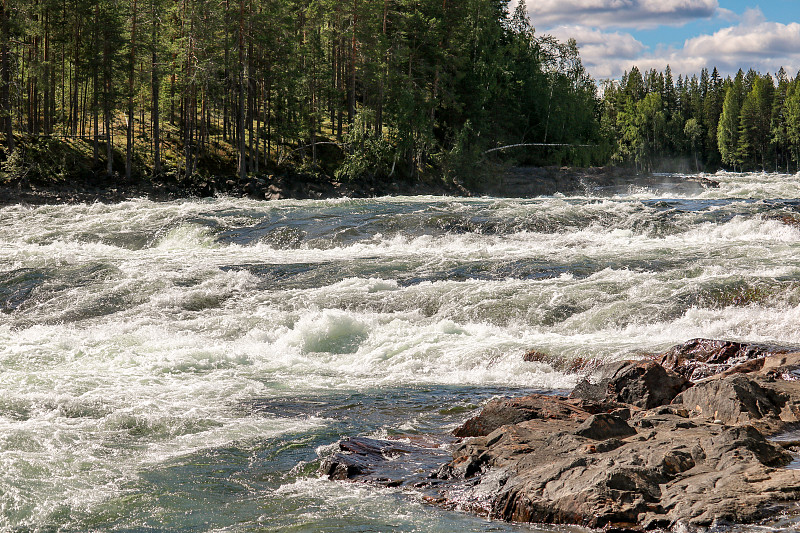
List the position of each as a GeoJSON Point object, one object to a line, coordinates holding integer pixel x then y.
{"type": "Point", "coordinates": [750, 121]}
{"type": "Point", "coordinates": [379, 87]}
{"type": "Point", "coordinates": [356, 89]}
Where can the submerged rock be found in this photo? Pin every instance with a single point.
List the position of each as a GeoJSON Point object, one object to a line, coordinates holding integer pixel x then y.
{"type": "Point", "coordinates": [386, 462]}
{"type": "Point", "coordinates": [705, 182]}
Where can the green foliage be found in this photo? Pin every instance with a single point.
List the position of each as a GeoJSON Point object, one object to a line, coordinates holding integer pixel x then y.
{"type": "Point", "coordinates": [755, 121]}
{"type": "Point", "coordinates": [694, 133]}
{"type": "Point", "coordinates": [728, 128]}
{"type": "Point", "coordinates": [402, 82]}
{"type": "Point", "coordinates": [458, 163]}
{"type": "Point", "coordinates": [746, 122]}
{"type": "Point", "coordinates": [792, 117]}
{"type": "Point", "coordinates": [414, 89]}
{"type": "Point", "coordinates": [45, 161]}
{"type": "Point", "coordinates": [369, 156]}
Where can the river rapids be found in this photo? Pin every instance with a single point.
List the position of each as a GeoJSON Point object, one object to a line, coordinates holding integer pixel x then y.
{"type": "Point", "coordinates": [183, 366]}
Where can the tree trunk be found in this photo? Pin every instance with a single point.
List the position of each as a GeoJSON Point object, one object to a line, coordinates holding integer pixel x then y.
{"type": "Point", "coordinates": [156, 85]}
{"type": "Point", "coordinates": [351, 101]}
{"type": "Point", "coordinates": [131, 85]}
{"type": "Point", "coordinates": [107, 68]}
{"type": "Point", "coordinates": [5, 80]}
{"type": "Point", "coordinates": [48, 77]}
{"type": "Point", "coordinates": [75, 80]}
{"type": "Point", "coordinates": [96, 90]}
{"type": "Point", "coordinates": [250, 105]}
{"type": "Point", "coordinates": [188, 111]}
{"type": "Point", "coordinates": [96, 113]}
{"type": "Point", "coordinates": [241, 108]}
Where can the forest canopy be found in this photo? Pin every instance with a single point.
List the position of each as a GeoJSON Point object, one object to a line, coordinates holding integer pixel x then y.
{"type": "Point", "coordinates": [362, 89]}
{"type": "Point", "coordinates": [750, 121]}
{"type": "Point", "coordinates": [392, 87]}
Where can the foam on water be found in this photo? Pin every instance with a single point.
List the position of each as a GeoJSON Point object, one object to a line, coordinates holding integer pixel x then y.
{"type": "Point", "coordinates": [136, 335]}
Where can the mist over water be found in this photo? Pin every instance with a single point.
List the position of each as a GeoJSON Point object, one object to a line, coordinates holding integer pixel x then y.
{"type": "Point", "coordinates": [183, 366]}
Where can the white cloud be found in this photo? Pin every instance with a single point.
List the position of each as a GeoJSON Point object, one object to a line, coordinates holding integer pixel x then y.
{"type": "Point", "coordinates": [601, 52]}
{"type": "Point", "coordinates": [619, 13]}
{"type": "Point", "coordinates": [753, 43]}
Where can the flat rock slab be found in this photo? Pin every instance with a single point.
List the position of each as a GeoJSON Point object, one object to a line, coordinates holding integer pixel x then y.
{"type": "Point", "coordinates": [390, 463]}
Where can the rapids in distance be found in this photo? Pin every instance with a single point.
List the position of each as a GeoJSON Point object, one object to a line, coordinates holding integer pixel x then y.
{"type": "Point", "coordinates": [184, 366]}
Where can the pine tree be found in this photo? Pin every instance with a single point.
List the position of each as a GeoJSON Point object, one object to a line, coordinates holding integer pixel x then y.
{"type": "Point", "coordinates": [755, 122]}
{"type": "Point", "coordinates": [728, 129]}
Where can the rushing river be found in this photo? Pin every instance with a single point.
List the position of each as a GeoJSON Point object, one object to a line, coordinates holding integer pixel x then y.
{"type": "Point", "coordinates": [184, 366]}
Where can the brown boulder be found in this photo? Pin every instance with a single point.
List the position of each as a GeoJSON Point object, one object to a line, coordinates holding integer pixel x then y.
{"type": "Point", "coordinates": [595, 461]}
{"type": "Point", "coordinates": [674, 470]}
{"type": "Point", "coordinates": [736, 399]}
{"type": "Point", "coordinates": [579, 364]}
{"type": "Point", "coordinates": [503, 411]}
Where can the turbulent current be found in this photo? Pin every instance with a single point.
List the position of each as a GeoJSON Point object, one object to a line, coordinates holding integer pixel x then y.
{"type": "Point", "coordinates": [184, 366]}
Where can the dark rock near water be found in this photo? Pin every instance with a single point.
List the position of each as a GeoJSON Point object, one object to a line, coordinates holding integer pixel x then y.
{"type": "Point", "coordinates": [639, 448]}
{"type": "Point", "coordinates": [386, 462]}
{"type": "Point", "coordinates": [644, 384]}
{"type": "Point", "coordinates": [705, 182]}
{"type": "Point", "coordinates": [286, 181]}
{"type": "Point", "coordinates": [504, 411]}
{"type": "Point", "coordinates": [579, 364]}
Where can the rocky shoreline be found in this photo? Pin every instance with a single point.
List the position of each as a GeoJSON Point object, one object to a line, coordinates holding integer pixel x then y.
{"type": "Point", "coordinates": [699, 436]}
{"type": "Point", "coordinates": [519, 182]}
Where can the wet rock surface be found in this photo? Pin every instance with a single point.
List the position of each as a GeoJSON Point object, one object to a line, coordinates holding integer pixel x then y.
{"type": "Point", "coordinates": [637, 447]}
{"type": "Point", "coordinates": [644, 384]}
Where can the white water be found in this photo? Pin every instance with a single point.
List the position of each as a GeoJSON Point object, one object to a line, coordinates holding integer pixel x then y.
{"type": "Point", "coordinates": [136, 338]}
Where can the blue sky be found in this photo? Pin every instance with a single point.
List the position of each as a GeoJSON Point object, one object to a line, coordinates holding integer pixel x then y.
{"type": "Point", "coordinates": [614, 35]}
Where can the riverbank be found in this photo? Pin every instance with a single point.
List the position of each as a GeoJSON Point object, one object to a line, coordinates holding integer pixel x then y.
{"type": "Point", "coordinates": [514, 182]}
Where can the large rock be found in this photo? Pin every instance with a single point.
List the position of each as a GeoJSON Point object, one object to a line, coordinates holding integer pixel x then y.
{"type": "Point", "coordinates": [644, 384]}
{"type": "Point", "coordinates": [736, 399]}
{"type": "Point", "coordinates": [595, 461]}
{"type": "Point", "coordinates": [772, 405]}
{"type": "Point", "coordinates": [671, 470]}
{"type": "Point", "coordinates": [503, 411]}
{"type": "Point", "coordinates": [700, 358]}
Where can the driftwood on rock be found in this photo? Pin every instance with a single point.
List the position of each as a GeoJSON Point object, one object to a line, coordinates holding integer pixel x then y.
{"type": "Point", "coordinates": [701, 358]}
{"type": "Point", "coordinates": [638, 448]}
